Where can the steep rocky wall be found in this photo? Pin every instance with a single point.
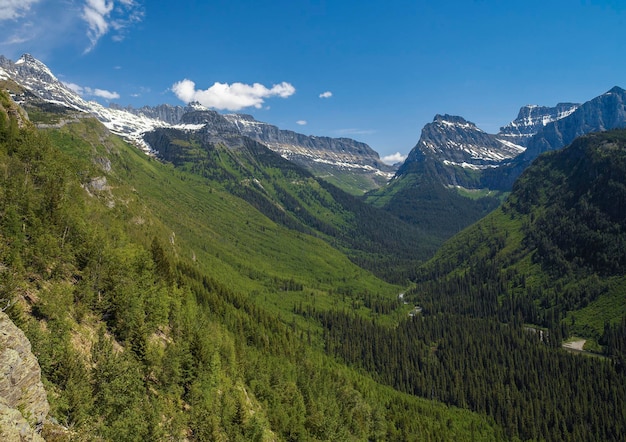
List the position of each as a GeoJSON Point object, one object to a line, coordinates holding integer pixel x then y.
{"type": "Point", "coordinates": [23, 401]}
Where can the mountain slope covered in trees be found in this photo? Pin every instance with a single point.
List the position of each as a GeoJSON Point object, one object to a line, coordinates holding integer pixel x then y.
{"type": "Point", "coordinates": [158, 305]}
{"type": "Point", "coordinates": [554, 250]}
{"type": "Point", "coordinates": [497, 300]}
{"type": "Point", "coordinates": [167, 300]}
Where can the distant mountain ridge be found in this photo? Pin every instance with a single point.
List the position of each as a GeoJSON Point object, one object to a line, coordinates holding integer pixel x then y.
{"type": "Point", "coordinates": [456, 173]}
{"type": "Point", "coordinates": [455, 141]}
{"type": "Point", "coordinates": [466, 156]}
{"type": "Point", "coordinates": [339, 158]}
{"type": "Point", "coordinates": [605, 112]}
{"type": "Point", "coordinates": [532, 118]}
{"type": "Point", "coordinates": [306, 150]}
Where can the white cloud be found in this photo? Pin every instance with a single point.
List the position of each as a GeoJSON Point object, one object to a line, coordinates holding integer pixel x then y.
{"type": "Point", "coordinates": [96, 13]}
{"type": "Point", "coordinates": [232, 97]}
{"type": "Point", "coordinates": [48, 24]}
{"type": "Point", "coordinates": [102, 93]}
{"type": "Point", "coordinates": [393, 158]}
{"type": "Point", "coordinates": [103, 15]}
{"type": "Point", "coordinates": [301, 122]}
{"type": "Point", "coordinates": [89, 92]}
{"type": "Point", "coordinates": [326, 94]}
{"type": "Point", "coordinates": [12, 9]}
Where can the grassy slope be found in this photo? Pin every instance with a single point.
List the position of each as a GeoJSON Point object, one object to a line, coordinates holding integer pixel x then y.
{"type": "Point", "coordinates": [224, 237]}
{"type": "Point", "coordinates": [292, 197]}
{"type": "Point", "coordinates": [227, 236]}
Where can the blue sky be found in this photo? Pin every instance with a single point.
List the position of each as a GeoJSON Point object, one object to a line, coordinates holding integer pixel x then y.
{"type": "Point", "coordinates": [376, 71]}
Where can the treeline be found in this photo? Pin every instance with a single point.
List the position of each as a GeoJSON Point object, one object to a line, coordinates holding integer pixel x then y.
{"type": "Point", "coordinates": [505, 371]}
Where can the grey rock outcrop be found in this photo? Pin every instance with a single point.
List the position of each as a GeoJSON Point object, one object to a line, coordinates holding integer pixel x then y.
{"type": "Point", "coordinates": [23, 399]}
{"type": "Point", "coordinates": [14, 427]}
{"type": "Point", "coordinates": [454, 141]}
{"type": "Point", "coordinates": [532, 118]}
{"type": "Point", "coordinates": [605, 112]}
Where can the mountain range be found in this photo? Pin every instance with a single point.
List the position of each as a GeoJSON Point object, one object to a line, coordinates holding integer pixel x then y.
{"type": "Point", "coordinates": [213, 289]}
{"type": "Point", "coordinates": [463, 154]}
{"type": "Point", "coordinates": [457, 173]}
{"type": "Point", "coordinates": [454, 175]}
{"type": "Point", "coordinates": [470, 158]}
{"type": "Point", "coordinates": [349, 163]}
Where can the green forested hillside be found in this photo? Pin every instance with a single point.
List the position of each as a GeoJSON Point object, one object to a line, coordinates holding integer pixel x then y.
{"type": "Point", "coordinates": [214, 301]}
{"type": "Point", "coordinates": [497, 300]}
{"type": "Point", "coordinates": [418, 197]}
{"type": "Point", "coordinates": [159, 305]}
{"type": "Point", "coordinates": [554, 250]}
{"type": "Point", "coordinates": [292, 197]}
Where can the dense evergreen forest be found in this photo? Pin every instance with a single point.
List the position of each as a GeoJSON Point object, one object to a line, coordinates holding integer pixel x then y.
{"type": "Point", "coordinates": [170, 301]}
{"type": "Point", "coordinates": [554, 250]}
{"type": "Point", "coordinates": [510, 372]}
{"type": "Point", "coordinates": [138, 342]}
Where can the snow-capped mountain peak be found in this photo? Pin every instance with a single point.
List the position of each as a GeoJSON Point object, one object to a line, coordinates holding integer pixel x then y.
{"type": "Point", "coordinates": [132, 124]}
{"type": "Point", "coordinates": [458, 142]}
{"type": "Point", "coordinates": [531, 118]}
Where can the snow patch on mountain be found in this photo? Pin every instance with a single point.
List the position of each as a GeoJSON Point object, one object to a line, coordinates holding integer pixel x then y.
{"type": "Point", "coordinates": [35, 76]}
{"type": "Point", "coordinates": [132, 124]}
{"type": "Point", "coordinates": [531, 118]}
{"type": "Point", "coordinates": [456, 141]}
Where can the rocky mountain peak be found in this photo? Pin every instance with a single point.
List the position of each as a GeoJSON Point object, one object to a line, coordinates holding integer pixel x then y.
{"type": "Point", "coordinates": [452, 119]}
{"type": "Point", "coordinates": [607, 111]}
{"type": "Point", "coordinates": [29, 65]}
{"type": "Point", "coordinates": [30, 60]}
{"type": "Point", "coordinates": [531, 118]}
{"type": "Point", "coordinates": [455, 141]}
{"type": "Point", "coordinates": [615, 90]}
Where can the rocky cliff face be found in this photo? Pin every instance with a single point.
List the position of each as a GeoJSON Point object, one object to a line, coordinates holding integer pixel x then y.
{"type": "Point", "coordinates": [309, 150]}
{"type": "Point", "coordinates": [608, 111]}
{"type": "Point", "coordinates": [454, 141]}
{"type": "Point", "coordinates": [164, 112]}
{"type": "Point", "coordinates": [531, 119]}
{"type": "Point", "coordinates": [456, 146]}
{"type": "Point", "coordinates": [23, 401]}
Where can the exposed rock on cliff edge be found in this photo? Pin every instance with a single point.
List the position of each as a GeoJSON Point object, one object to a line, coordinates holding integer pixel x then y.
{"type": "Point", "coordinates": [23, 401]}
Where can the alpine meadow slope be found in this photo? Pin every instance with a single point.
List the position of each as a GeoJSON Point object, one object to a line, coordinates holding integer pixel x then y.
{"type": "Point", "coordinates": [160, 306]}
